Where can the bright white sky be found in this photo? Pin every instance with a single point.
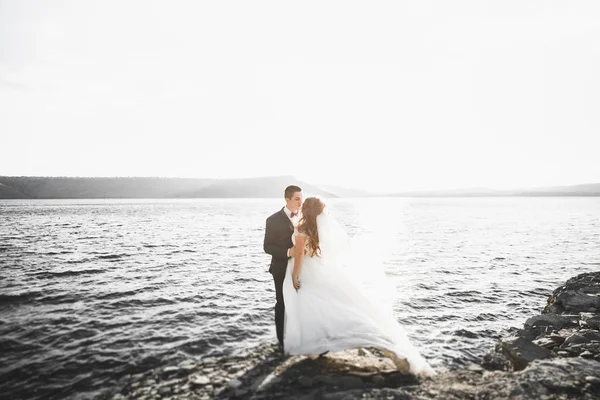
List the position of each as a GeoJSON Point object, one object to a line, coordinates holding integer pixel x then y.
{"type": "Point", "coordinates": [380, 95]}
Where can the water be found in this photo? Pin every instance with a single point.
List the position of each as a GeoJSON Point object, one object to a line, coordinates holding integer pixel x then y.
{"type": "Point", "coordinates": [91, 290]}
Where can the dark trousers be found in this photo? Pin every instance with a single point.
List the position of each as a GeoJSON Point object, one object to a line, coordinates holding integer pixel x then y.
{"type": "Point", "coordinates": [278, 277]}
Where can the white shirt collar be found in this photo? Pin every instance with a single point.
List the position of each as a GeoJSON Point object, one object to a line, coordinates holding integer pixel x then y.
{"type": "Point", "coordinates": [287, 212]}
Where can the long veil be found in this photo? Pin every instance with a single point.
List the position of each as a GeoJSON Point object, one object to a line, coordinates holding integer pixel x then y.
{"type": "Point", "coordinates": [355, 260]}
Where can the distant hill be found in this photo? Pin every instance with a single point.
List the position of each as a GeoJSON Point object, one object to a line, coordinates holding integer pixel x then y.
{"type": "Point", "coordinates": [92, 188]}
{"type": "Point", "coordinates": [591, 189]}
{"type": "Point", "coordinates": [7, 192]}
{"type": "Point", "coordinates": [12, 187]}
{"type": "Point", "coordinates": [256, 188]}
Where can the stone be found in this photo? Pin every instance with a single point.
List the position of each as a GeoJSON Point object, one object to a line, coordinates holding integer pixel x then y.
{"type": "Point", "coordinates": [199, 380]}
{"type": "Point", "coordinates": [325, 379]}
{"type": "Point", "coordinates": [558, 339]}
{"type": "Point", "coordinates": [234, 384]}
{"type": "Point", "coordinates": [593, 323]}
{"type": "Point", "coordinates": [572, 340]}
{"type": "Point", "coordinates": [592, 336]}
{"type": "Point", "coordinates": [378, 380]}
{"type": "Point", "coordinates": [520, 352]}
{"type": "Point", "coordinates": [555, 321]}
{"type": "Point", "coordinates": [164, 390]}
{"type": "Point", "coordinates": [594, 380]}
{"type": "Point", "coordinates": [265, 382]}
{"type": "Point", "coordinates": [305, 381]}
{"type": "Point", "coordinates": [579, 294]}
{"type": "Point", "coordinates": [357, 374]}
{"type": "Point", "coordinates": [545, 342]}
{"type": "Point", "coordinates": [365, 353]}
{"type": "Point", "coordinates": [494, 361]}
{"type": "Point", "coordinates": [350, 382]}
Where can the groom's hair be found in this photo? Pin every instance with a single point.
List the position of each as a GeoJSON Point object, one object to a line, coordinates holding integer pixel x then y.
{"type": "Point", "coordinates": [290, 190]}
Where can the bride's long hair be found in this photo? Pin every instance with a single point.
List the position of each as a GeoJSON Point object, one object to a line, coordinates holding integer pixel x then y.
{"type": "Point", "coordinates": [311, 209]}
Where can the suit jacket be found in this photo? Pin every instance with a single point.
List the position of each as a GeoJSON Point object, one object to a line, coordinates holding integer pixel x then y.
{"type": "Point", "coordinates": [278, 239]}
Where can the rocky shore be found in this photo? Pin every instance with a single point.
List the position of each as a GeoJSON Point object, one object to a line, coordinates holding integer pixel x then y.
{"type": "Point", "coordinates": [556, 355]}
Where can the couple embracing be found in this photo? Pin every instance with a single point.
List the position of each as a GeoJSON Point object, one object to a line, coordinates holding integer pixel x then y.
{"type": "Point", "coordinates": [320, 304]}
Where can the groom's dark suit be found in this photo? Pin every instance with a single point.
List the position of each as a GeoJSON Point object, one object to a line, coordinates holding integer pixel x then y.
{"type": "Point", "coordinates": [278, 239]}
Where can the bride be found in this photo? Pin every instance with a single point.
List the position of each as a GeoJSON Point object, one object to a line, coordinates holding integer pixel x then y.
{"type": "Point", "coordinates": [328, 305]}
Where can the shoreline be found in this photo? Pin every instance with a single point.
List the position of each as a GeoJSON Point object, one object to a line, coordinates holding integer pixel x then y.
{"type": "Point", "coordinates": [556, 355]}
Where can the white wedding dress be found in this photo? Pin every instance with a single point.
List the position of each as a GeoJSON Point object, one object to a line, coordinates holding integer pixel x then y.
{"type": "Point", "coordinates": [340, 304]}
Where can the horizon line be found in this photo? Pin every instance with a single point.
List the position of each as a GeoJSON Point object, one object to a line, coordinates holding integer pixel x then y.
{"type": "Point", "coordinates": [370, 191]}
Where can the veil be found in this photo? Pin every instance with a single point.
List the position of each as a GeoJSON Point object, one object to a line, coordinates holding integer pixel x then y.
{"type": "Point", "coordinates": [351, 257]}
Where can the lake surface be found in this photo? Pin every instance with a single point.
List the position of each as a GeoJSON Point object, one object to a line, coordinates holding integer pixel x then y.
{"type": "Point", "coordinates": [92, 290]}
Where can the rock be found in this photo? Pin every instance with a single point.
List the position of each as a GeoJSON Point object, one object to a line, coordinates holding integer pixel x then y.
{"type": "Point", "coordinates": [546, 342]}
{"type": "Point", "coordinates": [305, 381]}
{"type": "Point", "coordinates": [594, 380]}
{"type": "Point", "coordinates": [555, 321]}
{"type": "Point", "coordinates": [558, 339]}
{"type": "Point", "coordinates": [572, 340]}
{"type": "Point", "coordinates": [164, 390]}
{"type": "Point", "coordinates": [591, 336]}
{"type": "Point", "coordinates": [593, 322]}
{"type": "Point", "coordinates": [350, 382]}
{"type": "Point", "coordinates": [199, 380]}
{"type": "Point", "coordinates": [365, 353]}
{"type": "Point", "coordinates": [474, 368]}
{"type": "Point", "coordinates": [520, 352]}
{"type": "Point", "coordinates": [240, 392]}
{"type": "Point", "coordinates": [325, 379]}
{"type": "Point", "coordinates": [494, 361]}
{"type": "Point", "coordinates": [521, 366]}
{"type": "Point", "coordinates": [234, 384]}
{"type": "Point", "coordinates": [378, 380]}
{"type": "Point", "coordinates": [235, 368]}
{"type": "Point", "coordinates": [579, 294]}
{"type": "Point", "coordinates": [265, 382]}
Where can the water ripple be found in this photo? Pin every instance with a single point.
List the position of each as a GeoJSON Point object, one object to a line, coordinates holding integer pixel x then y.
{"type": "Point", "coordinates": [93, 290]}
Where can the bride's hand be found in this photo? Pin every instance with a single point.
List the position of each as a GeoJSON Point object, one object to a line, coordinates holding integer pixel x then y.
{"type": "Point", "coordinates": [296, 282]}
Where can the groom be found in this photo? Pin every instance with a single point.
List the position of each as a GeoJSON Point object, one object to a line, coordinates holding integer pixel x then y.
{"type": "Point", "coordinates": [278, 243]}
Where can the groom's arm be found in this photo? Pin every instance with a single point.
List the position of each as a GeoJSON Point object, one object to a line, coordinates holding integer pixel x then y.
{"type": "Point", "coordinates": [270, 244]}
